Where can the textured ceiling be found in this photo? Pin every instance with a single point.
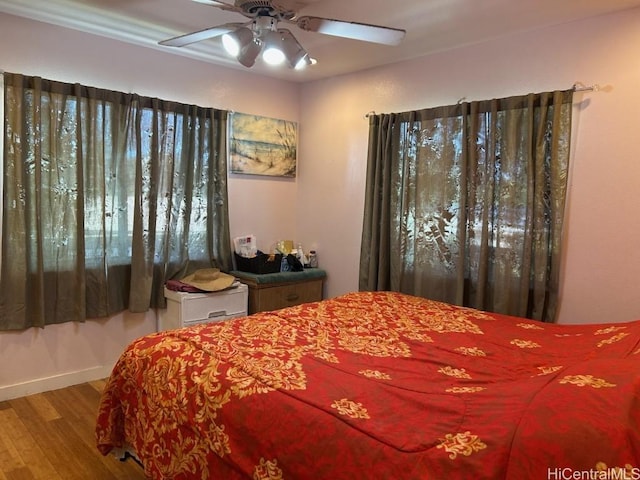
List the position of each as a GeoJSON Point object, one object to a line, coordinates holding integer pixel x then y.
{"type": "Point", "coordinates": [431, 25]}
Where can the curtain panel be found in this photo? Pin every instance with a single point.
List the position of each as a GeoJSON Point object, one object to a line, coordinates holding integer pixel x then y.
{"type": "Point", "coordinates": [106, 196]}
{"type": "Point", "coordinates": [465, 203]}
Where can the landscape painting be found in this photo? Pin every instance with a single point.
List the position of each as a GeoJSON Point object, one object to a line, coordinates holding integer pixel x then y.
{"type": "Point", "coordinates": [262, 146]}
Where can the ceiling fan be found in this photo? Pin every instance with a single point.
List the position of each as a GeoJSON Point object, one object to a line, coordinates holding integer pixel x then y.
{"type": "Point", "coordinates": [246, 41]}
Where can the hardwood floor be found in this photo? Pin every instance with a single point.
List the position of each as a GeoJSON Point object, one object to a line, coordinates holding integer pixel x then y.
{"type": "Point", "coordinates": [50, 436]}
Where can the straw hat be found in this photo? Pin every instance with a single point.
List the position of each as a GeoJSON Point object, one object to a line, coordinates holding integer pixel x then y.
{"type": "Point", "coordinates": [209, 280]}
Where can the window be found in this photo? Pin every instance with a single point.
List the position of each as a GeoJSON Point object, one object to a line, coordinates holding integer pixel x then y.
{"type": "Point", "coordinates": [107, 195]}
{"type": "Point", "coordinates": [465, 203]}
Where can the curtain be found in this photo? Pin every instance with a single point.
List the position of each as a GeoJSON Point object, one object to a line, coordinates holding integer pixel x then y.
{"type": "Point", "coordinates": [465, 203]}
{"type": "Point", "coordinates": [106, 195]}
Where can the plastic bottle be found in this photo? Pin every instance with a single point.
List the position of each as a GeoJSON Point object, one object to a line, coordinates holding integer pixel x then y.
{"type": "Point", "coordinates": [284, 264]}
{"type": "Point", "coordinates": [313, 259]}
{"type": "Point", "coordinates": [300, 255]}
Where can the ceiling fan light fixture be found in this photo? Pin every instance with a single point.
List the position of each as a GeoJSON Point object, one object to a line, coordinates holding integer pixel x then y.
{"type": "Point", "coordinates": [272, 49]}
{"type": "Point", "coordinates": [277, 46]}
{"type": "Point", "coordinates": [230, 44]}
{"type": "Point", "coordinates": [234, 42]}
{"type": "Point", "coordinates": [305, 62]}
{"type": "Point", "coordinates": [273, 56]}
{"type": "Point", "coordinates": [249, 53]}
{"type": "Point", "coordinates": [242, 44]}
{"type": "Point", "coordinates": [294, 52]}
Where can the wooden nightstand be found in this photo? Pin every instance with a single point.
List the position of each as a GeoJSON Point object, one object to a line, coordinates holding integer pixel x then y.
{"type": "Point", "coordinates": [272, 291]}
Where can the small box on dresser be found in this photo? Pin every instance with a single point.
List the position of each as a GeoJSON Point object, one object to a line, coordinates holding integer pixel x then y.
{"type": "Point", "coordinates": [185, 309]}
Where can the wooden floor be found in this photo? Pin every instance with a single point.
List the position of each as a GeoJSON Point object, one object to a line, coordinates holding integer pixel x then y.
{"type": "Point", "coordinates": [50, 436]}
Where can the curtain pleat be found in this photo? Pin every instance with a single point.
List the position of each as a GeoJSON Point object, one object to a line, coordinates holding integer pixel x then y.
{"type": "Point", "coordinates": [465, 203]}
{"type": "Point", "coordinates": [106, 196]}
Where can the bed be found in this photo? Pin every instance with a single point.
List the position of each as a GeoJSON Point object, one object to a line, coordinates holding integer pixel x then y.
{"type": "Point", "coordinates": [378, 385]}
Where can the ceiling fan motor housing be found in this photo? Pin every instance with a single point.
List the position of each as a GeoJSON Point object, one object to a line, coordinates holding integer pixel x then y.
{"type": "Point", "coordinates": [260, 8]}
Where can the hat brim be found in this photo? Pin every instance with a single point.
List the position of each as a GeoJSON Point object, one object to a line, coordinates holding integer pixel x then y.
{"type": "Point", "coordinates": [221, 282]}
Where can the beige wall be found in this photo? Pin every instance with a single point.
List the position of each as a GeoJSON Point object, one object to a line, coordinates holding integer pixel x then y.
{"type": "Point", "coordinates": [600, 280]}
{"type": "Point", "coordinates": [323, 206]}
{"type": "Point", "coordinates": [58, 355]}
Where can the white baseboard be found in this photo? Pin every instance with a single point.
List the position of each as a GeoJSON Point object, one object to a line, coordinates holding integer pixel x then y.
{"type": "Point", "coordinates": [53, 383]}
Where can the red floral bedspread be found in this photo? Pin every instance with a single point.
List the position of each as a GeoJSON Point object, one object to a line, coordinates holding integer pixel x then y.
{"type": "Point", "coordinates": [378, 385]}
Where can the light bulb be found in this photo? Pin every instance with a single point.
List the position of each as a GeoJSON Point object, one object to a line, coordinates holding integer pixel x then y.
{"type": "Point", "coordinates": [272, 48]}
{"type": "Point", "coordinates": [231, 44]}
{"type": "Point", "coordinates": [273, 56]}
{"type": "Point", "coordinates": [304, 62]}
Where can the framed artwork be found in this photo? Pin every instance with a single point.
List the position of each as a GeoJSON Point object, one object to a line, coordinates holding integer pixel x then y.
{"type": "Point", "coordinates": [262, 146]}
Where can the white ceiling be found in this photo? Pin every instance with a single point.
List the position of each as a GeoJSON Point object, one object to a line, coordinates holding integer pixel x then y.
{"type": "Point", "coordinates": [431, 25]}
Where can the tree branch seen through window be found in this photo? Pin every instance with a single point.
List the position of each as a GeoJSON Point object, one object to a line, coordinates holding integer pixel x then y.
{"type": "Point", "coordinates": [465, 203]}
{"type": "Point", "coordinates": [107, 195]}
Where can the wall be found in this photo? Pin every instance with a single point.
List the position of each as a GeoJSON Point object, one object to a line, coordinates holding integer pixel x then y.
{"type": "Point", "coordinates": [59, 355]}
{"type": "Point", "coordinates": [324, 204]}
{"type": "Point", "coordinates": [602, 238]}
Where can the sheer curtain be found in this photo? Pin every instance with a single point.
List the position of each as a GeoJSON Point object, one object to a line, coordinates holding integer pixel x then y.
{"type": "Point", "coordinates": [465, 203]}
{"type": "Point", "coordinates": [106, 195]}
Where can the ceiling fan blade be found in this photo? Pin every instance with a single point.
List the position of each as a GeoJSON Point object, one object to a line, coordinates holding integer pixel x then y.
{"type": "Point", "coordinates": [354, 30]}
{"type": "Point", "coordinates": [214, 3]}
{"type": "Point", "coordinates": [193, 37]}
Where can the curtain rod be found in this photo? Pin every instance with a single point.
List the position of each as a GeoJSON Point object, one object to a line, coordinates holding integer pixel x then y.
{"type": "Point", "coordinates": [581, 87]}
{"type": "Point", "coordinates": [576, 87]}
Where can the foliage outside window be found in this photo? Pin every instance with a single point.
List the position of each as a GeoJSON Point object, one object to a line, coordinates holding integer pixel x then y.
{"type": "Point", "coordinates": [465, 203]}
{"type": "Point", "coordinates": [106, 195]}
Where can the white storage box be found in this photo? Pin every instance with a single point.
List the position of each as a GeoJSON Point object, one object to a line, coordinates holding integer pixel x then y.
{"type": "Point", "coordinates": [185, 309]}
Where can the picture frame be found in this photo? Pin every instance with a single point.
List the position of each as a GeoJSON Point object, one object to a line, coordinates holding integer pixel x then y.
{"type": "Point", "coordinates": [262, 145]}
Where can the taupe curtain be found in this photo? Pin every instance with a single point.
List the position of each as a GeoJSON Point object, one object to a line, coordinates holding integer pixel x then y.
{"type": "Point", "coordinates": [106, 195]}
{"type": "Point", "coordinates": [465, 203]}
